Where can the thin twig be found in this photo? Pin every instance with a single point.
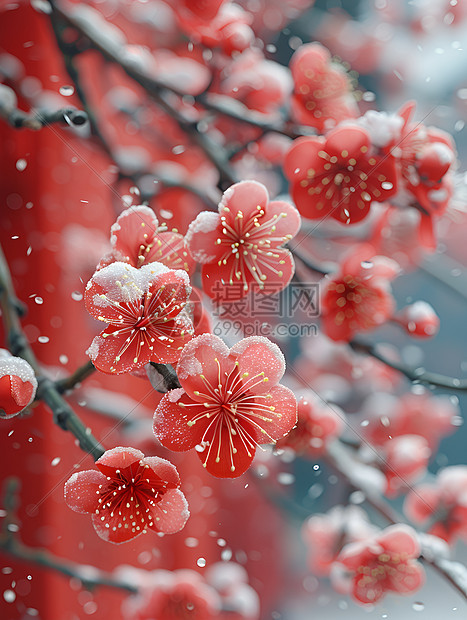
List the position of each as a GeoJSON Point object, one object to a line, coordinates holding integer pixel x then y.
{"type": "Point", "coordinates": [222, 104]}
{"type": "Point", "coordinates": [454, 572]}
{"type": "Point", "coordinates": [156, 89]}
{"type": "Point", "coordinates": [417, 375]}
{"type": "Point", "coordinates": [11, 544]}
{"type": "Point", "coordinates": [38, 119]}
{"type": "Point", "coordinates": [80, 374]}
{"type": "Point", "coordinates": [64, 416]}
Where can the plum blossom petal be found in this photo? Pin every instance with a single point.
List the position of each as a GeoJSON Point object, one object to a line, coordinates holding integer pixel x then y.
{"type": "Point", "coordinates": [241, 246]}
{"type": "Point", "coordinates": [228, 404]}
{"type": "Point", "coordinates": [144, 311]}
{"type": "Point", "coordinates": [128, 495]}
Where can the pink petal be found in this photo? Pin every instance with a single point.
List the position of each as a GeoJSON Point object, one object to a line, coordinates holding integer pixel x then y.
{"type": "Point", "coordinates": [302, 155]}
{"type": "Point", "coordinates": [349, 138]}
{"type": "Point", "coordinates": [81, 490]}
{"type": "Point", "coordinates": [120, 535]}
{"type": "Point", "coordinates": [400, 538]}
{"type": "Point", "coordinates": [261, 359]}
{"type": "Point", "coordinates": [171, 513]}
{"type": "Point", "coordinates": [202, 236]}
{"type": "Point", "coordinates": [283, 419]}
{"type": "Point", "coordinates": [23, 392]}
{"type": "Point", "coordinates": [288, 221]}
{"type": "Point", "coordinates": [171, 422]}
{"type": "Point", "coordinates": [275, 271]}
{"type": "Point", "coordinates": [311, 207]}
{"type": "Point", "coordinates": [367, 593]}
{"type": "Point", "coordinates": [171, 250]}
{"type": "Point", "coordinates": [339, 332]}
{"type": "Point", "coordinates": [409, 579]}
{"type": "Point", "coordinates": [164, 469]}
{"type": "Point", "coordinates": [109, 355]}
{"type": "Point", "coordinates": [356, 554]}
{"type": "Point", "coordinates": [406, 112]}
{"type": "Point", "coordinates": [169, 293]}
{"type": "Point", "coordinates": [119, 457]}
{"type": "Point", "coordinates": [219, 457]}
{"type": "Point", "coordinates": [135, 227]}
{"type": "Point", "coordinates": [177, 334]}
{"type": "Point", "coordinates": [244, 196]}
{"type": "Point", "coordinates": [199, 358]}
{"type": "Point", "coordinates": [220, 282]}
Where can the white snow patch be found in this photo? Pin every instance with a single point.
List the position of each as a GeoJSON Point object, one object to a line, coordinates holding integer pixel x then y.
{"type": "Point", "coordinates": [383, 128]}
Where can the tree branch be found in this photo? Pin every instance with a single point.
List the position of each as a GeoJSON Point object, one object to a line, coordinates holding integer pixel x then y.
{"type": "Point", "coordinates": [80, 374]}
{"type": "Point", "coordinates": [36, 120]}
{"type": "Point", "coordinates": [64, 416]}
{"type": "Point", "coordinates": [341, 459]}
{"type": "Point", "coordinates": [164, 378]}
{"type": "Point", "coordinates": [417, 375]}
{"type": "Point", "coordinates": [10, 544]}
{"type": "Point", "coordinates": [156, 89]}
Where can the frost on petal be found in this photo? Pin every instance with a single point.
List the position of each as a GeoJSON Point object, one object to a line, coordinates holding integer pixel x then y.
{"type": "Point", "coordinates": [384, 129]}
{"type": "Point", "coordinates": [116, 283]}
{"type": "Point", "coordinates": [18, 385]}
{"type": "Point", "coordinates": [197, 359]}
{"type": "Point", "coordinates": [245, 196]}
{"type": "Point", "coordinates": [81, 490]}
{"type": "Point", "coordinates": [261, 363]}
{"type": "Point", "coordinates": [112, 529]}
{"type": "Point", "coordinates": [164, 469]}
{"type": "Point", "coordinates": [10, 365]}
{"type": "Point", "coordinates": [135, 227]}
{"type": "Point", "coordinates": [400, 537]}
{"type": "Point", "coordinates": [202, 236]}
{"type": "Point", "coordinates": [171, 422]}
{"type": "Point", "coordinates": [120, 457]}
{"type": "Point", "coordinates": [171, 513]}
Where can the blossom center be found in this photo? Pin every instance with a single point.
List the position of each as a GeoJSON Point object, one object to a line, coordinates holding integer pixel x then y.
{"type": "Point", "coordinates": [127, 501]}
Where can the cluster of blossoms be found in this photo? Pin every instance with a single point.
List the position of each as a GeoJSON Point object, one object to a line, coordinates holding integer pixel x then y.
{"type": "Point", "coordinates": [280, 150]}
{"type": "Point", "coordinates": [361, 560]}
{"type": "Point", "coordinates": [230, 401]}
{"type": "Point", "coordinates": [222, 593]}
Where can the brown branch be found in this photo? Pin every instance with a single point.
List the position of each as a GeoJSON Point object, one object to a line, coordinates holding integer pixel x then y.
{"type": "Point", "coordinates": [222, 104]}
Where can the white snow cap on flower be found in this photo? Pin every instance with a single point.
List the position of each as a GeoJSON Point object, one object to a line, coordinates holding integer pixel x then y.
{"type": "Point", "coordinates": [382, 127]}
{"type": "Point", "coordinates": [19, 384]}
{"type": "Point", "coordinates": [16, 366]}
{"type": "Point", "coordinates": [125, 283]}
